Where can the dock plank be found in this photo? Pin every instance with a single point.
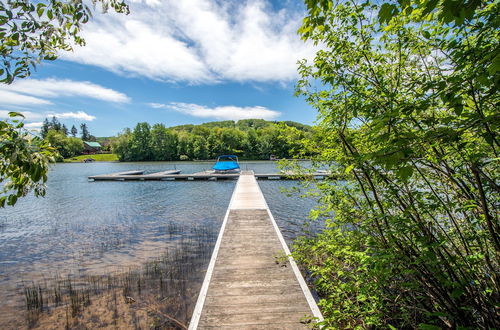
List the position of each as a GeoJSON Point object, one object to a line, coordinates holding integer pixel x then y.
{"type": "Point", "coordinates": [248, 285]}
{"type": "Point", "coordinates": [250, 195]}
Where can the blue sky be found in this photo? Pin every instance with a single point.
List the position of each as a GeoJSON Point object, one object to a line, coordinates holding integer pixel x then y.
{"type": "Point", "coordinates": [172, 62]}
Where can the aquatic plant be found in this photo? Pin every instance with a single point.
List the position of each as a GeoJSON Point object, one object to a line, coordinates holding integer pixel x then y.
{"type": "Point", "coordinates": [165, 286]}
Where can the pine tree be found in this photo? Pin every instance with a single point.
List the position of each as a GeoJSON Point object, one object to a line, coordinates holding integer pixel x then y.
{"type": "Point", "coordinates": [74, 131]}
{"type": "Point", "coordinates": [85, 132]}
{"type": "Point", "coordinates": [45, 128]}
{"type": "Point", "coordinates": [55, 124]}
{"type": "Point", "coordinates": [64, 130]}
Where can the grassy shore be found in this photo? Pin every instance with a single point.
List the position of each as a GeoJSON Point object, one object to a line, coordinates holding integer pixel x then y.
{"type": "Point", "coordinates": [96, 157]}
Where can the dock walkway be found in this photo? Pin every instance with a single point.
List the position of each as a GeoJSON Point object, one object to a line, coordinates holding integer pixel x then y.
{"type": "Point", "coordinates": [250, 282]}
{"type": "Point", "coordinates": [205, 175]}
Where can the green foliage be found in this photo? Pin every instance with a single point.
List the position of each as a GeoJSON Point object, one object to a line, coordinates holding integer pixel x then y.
{"type": "Point", "coordinates": [141, 142]}
{"type": "Point", "coordinates": [408, 96]}
{"type": "Point", "coordinates": [35, 31]}
{"type": "Point", "coordinates": [23, 163]}
{"type": "Point", "coordinates": [54, 125]}
{"type": "Point", "coordinates": [120, 145]}
{"type": "Point", "coordinates": [85, 134]}
{"type": "Point", "coordinates": [74, 131]}
{"type": "Point", "coordinates": [66, 146]}
{"type": "Point", "coordinates": [31, 32]}
{"type": "Point", "coordinates": [209, 140]}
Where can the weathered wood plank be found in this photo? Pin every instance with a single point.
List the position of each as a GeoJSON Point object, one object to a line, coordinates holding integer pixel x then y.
{"type": "Point", "coordinates": [250, 285]}
{"type": "Point", "coordinates": [248, 319]}
{"type": "Point", "coordinates": [253, 299]}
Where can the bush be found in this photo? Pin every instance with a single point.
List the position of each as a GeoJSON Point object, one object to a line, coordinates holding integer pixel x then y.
{"type": "Point", "coordinates": [408, 124]}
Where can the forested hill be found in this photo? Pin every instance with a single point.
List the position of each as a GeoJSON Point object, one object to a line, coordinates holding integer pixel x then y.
{"type": "Point", "coordinates": [243, 124]}
{"type": "Point", "coordinates": [249, 139]}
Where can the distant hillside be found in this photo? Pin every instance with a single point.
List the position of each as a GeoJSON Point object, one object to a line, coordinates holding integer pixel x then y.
{"type": "Point", "coordinates": [244, 125]}
{"type": "Point", "coordinates": [249, 139]}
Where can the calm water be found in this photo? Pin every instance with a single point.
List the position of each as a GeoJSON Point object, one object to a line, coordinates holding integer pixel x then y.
{"type": "Point", "coordinates": [84, 227]}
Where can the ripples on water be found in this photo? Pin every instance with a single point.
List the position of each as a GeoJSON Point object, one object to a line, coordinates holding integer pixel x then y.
{"type": "Point", "coordinates": [85, 228]}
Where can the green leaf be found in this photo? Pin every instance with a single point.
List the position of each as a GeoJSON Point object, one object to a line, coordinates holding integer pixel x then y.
{"type": "Point", "coordinates": [387, 12]}
{"type": "Point", "coordinates": [405, 172]}
{"type": "Point", "coordinates": [494, 67]}
{"type": "Point", "coordinates": [40, 9]}
{"type": "Point", "coordinates": [423, 326]}
{"type": "Point", "coordinates": [349, 169]}
{"type": "Point", "coordinates": [15, 114]}
{"type": "Point", "coordinates": [458, 109]}
{"type": "Point", "coordinates": [456, 293]}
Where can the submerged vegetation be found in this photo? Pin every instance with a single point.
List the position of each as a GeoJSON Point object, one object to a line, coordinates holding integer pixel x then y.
{"type": "Point", "coordinates": [409, 125]}
{"type": "Point", "coordinates": [161, 294]}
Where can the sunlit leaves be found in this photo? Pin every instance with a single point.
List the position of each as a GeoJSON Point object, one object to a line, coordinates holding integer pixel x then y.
{"type": "Point", "coordinates": [407, 94]}
{"type": "Point", "coordinates": [32, 32]}
{"type": "Point", "coordinates": [23, 163]}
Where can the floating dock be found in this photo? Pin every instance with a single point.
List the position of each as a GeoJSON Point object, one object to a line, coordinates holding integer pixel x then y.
{"type": "Point", "coordinates": [172, 175]}
{"type": "Point", "coordinates": [251, 281]}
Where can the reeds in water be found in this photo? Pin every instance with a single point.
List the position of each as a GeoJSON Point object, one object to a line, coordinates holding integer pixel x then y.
{"type": "Point", "coordinates": [166, 286]}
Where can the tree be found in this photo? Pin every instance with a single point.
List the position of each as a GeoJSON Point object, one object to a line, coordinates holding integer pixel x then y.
{"type": "Point", "coordinates": [252, 144]}
{"type": "Point", "coordinates": [45, 128]}
{"type": "Point", "coordinates": [121, 145]}
{"type": "Point", "coordinates": [64, 130]}
{"type": "Point", "coordinates": [74, 131]}
{"type": "Point", "coordinates": [183, 145]}
{"type": "Point", "coordinates": [55, 124]}
{"type": "Point", "coordinates": [140, 142]}
{"type": "Point", "coordinates": [206, 141]}
{"type": "Point", "coordinates": [84, 132]}
{"type": "Point", "coordinates": [32, 32]}
{"type": "Point", "coordinates": [67, 147]}
{"type": "Point", "coordinates": [408, 123]}
{"type": "Point", "coordinates": [200, 148]}
{"type": "Point", "coordinates": [163, 143]}
{"type": "Point", "coordinates": [232, 140]}
{"type": "Point", "coordinates": [24, 161]}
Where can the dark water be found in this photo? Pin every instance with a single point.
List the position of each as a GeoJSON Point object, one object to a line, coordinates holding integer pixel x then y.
{"type": "Point", "coordinates": [84, 227]}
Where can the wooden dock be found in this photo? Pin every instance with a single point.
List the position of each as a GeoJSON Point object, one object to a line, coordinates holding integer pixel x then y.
{"type": "Point", "coordinates": [133, 175]}
{"type": "Point", "coordinates": [251, 281]}
{"type": "Point", "coordinates": [173, 175]}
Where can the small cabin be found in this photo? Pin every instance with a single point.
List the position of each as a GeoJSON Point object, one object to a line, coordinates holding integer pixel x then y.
{"type": "Point", "coordinates": [91, 147]}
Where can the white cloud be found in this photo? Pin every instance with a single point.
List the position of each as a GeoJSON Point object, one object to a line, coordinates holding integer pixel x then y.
{"type": "Point", "coordinates": [35, 126]}
{"type": "Point", "coordinates": [197, 41]}
{"type": "Point", "coordinates": [53, 88]}
{"type": "Point", "coordinates": [221, 113]}
{"type": "Point", "coordinates": [156, 105]}
{"type": "Point", "coordinates": [80, 115]}
{"type": "Point", "coordinates": [32, 116]}
{"type": "Point", "coordinates": [12, 98]}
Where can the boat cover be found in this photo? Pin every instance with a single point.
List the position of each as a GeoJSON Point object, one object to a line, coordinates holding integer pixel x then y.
{"type": "Point", "coordinates": [226, 166]}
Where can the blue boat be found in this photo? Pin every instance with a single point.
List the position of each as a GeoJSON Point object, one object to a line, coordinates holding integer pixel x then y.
{"type": "Point", "coordinates": [227, 163]}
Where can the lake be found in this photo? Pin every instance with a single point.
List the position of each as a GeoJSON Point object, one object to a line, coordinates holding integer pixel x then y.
{"type": "Point", "coordinates": [83, 229]}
